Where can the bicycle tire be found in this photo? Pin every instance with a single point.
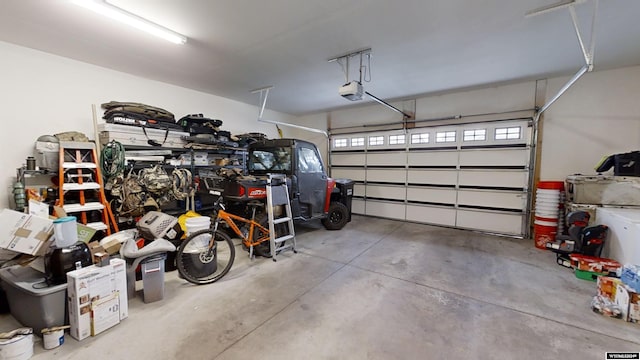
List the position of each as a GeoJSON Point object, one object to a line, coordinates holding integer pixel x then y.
{"type": "Point", "coordinates": [264, 249]}
{"type": "Point", "coordinates": [199, 265]}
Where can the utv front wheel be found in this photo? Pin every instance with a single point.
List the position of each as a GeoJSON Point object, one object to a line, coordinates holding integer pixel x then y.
{"type": "Point", "coordinates": [337, 217]}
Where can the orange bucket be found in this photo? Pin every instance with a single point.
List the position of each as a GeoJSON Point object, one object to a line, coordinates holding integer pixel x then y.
{"type": "Point", "coordinates": [542, 234]}
{"type": "Point", "coordinates": [551, 185]}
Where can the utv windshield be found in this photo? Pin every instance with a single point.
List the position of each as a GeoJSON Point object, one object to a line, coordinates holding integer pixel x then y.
{"type": "Point", "coordinates": [270, 160]}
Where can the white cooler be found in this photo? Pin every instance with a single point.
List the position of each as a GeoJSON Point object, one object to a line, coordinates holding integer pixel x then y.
{"type": "Point", "coordinates": [623, 240]}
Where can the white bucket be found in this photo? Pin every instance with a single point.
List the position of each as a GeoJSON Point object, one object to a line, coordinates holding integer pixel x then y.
{"type": "Point", "coordinates": [548, 198]}
{"type": "Point", "coordinates": [548, 191]}
{"type": "Point", "coordinates": [17, 348]}
{"type": "Point", "coordinates": [197, 223]}
{"type": "Point", "coordinates": [545, 223]}
{"type": "Point", "coordinates": [548, 215]}
{"type": "Point", "coordinates": [53, 339]}
{"type": "Point", "coordinates": [66, 231]}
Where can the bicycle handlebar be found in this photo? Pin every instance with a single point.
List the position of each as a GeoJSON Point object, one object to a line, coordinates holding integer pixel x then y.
{"type": "Point", "coordinates": [219, 204]}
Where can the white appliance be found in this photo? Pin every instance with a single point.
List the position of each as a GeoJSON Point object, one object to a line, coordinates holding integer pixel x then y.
{"type": "Point", "coordinates": [623, 240]}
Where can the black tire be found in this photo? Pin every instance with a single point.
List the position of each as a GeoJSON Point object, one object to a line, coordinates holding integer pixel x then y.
{"type": "Point", "coordinates": [200, 265]}
{"type": "Point", "coordinates": [337, 217]}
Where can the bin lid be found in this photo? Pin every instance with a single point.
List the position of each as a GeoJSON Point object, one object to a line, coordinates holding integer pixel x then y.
{"type": "Point", "coordinates": [64, 219]}
{"type": "Point", "coordinates": [28, 280]}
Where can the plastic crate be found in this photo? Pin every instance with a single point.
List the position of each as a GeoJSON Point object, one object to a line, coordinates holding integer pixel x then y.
{"type": "Point", "coordinates": [630, 276]}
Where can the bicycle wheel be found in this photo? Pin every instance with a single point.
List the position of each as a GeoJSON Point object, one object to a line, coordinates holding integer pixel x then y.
{"type": "Point", "coordinates": [264, 248]}
{"type": "Point", "coordinates": [200, 265]}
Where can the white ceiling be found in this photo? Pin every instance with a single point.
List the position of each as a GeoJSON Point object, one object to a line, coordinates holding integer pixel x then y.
{"type": "Point", "coordinates": [418, 46]}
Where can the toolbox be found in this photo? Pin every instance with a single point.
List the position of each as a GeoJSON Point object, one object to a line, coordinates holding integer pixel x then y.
{"type": "Point", "coordinates": [129, 135]}
{"type": "Point", "coordinates": [594, 264]}
{"type": "Point", "coordinates": [603, 190]}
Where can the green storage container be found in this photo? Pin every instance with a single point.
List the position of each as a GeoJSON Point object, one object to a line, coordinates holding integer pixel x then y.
{"type": "Point", "coordinates": [588, 275]}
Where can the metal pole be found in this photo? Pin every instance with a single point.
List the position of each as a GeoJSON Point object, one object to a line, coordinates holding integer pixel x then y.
{"type": "Point", "coordinates": [574, 19]}
{"type": "Point", "coordinates": [296, 126]}
{"type": "Point", "coordinates": [566, 86]}
{"type": "Point", "coordinates": [384, 103]}
{"type": "Point", "coordinates": [592, 48]}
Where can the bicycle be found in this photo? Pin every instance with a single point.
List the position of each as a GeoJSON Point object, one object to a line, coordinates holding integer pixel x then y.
{"type": "Point", "coordinates": [198, 256]}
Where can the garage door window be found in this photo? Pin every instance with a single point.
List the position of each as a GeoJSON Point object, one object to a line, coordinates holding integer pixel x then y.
{"type": "Point", "coordinates": [420, 138]}
{"type": "Point", "coordinates": [446, 136]}
{"type": "Point", "coordinates": [376, 140]}
{"type": "Point", "coordinates": [358, 141]}
{"type": "Point", "coordinates": [396, 139]}
{"type": "Point", "coordinates": [475, 135]}
{"type": "Point", "coordinates": [509, 133]}
{"type": "Point", "coordinates": [338, 143]}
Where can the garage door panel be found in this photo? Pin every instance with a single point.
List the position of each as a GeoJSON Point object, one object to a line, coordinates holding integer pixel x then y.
{"type": "Point", "coordinates": [478, 182]}
{"type": "Point", "coordinates": [348, 173]}
{"type": "Point", "coordinates": [387, 158]}
{"type": "Point", "coordinates": [386, 209]}
{"type": "Point", "coordinates": [434, 158]}
{"type": "Point", "coordinates": [357, 206]}
{"type": "Point", "coordinates": [431, 215]}
{"type": "Point", "coordinates": [432, 195]}
{"type": "Point", "coordinates": [497, 178]}
{"type": "Point", "coordinates": [433, 177]}
{"type": "Point", "coordinates": [502, 223]}
{"type": "Point", "coordinates": [386, 192]}
{"type": "Point", "coordinates": [494, 157]}
{"type": "Point", "coordinates": [493, 199]}
{"type": "Point", "coordinates": [357, 159]}
{"type": "Point", "coordinates": [387, 175]}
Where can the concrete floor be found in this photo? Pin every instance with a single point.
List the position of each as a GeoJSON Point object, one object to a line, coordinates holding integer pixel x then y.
{"type": "Point", "coordinates": [378, 289]}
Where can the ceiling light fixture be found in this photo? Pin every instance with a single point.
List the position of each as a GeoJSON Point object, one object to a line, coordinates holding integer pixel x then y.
{"type": "Point", "coordinates": [104, 8]}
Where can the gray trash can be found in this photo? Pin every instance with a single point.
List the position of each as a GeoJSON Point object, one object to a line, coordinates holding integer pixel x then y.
{"type": "Point", "coordinates": [152, 270]}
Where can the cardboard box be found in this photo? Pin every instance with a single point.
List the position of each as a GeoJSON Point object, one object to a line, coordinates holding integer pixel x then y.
{"type": "Point", "coordinates": [24, 233]}
{"type": "Point", "coordinates": [607, 287]}
{"type": "Point", "coordinates": [629, 302]}
{"type": "Point", "coordinates": [88, 286]}
{"type": "Point", "coordinates": [112, 246]}
{"type": "Point", "coordinates": [94, 248]}
{"type": "Point", "coordinates": [594, 264]}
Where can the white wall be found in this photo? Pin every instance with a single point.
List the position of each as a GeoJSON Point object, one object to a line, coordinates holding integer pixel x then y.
{"type": "Point", "coordinates": [46, 94]}
{"type": "Point", "coordinates": [598, 116]}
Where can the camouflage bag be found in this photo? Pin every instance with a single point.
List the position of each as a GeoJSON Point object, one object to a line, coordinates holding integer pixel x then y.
{"type": "Point", "coordinates": [156, 180]}
{"type": "Point", "coordinates": [132, 197]}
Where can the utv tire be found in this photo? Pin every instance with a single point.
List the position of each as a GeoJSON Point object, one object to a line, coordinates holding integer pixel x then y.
{"type": "Point", "coordinates": [337, 217]}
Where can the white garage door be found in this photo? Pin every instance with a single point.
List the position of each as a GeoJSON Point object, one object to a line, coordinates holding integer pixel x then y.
{"type": "Point", "coordinates": [471, 176]}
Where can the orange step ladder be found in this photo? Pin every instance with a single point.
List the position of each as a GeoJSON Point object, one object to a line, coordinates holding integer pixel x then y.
{"type": "Point", "coordinates": [81, 189]}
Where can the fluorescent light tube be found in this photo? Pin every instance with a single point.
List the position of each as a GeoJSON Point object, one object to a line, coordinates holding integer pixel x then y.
{"type": "Point", "coordinates": [553, 7]}
{"type": "Point", "coordinates": [104, 8]}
